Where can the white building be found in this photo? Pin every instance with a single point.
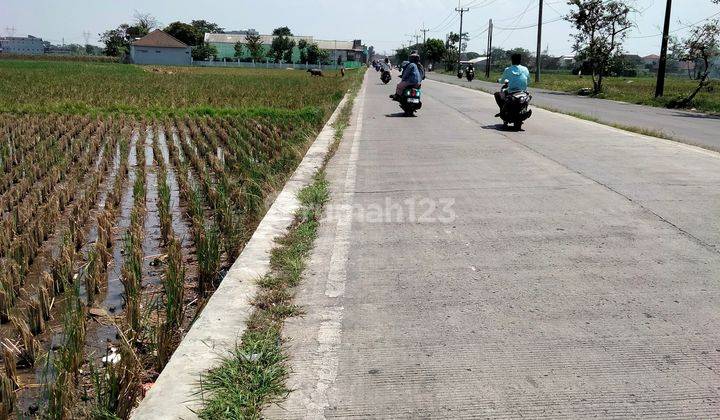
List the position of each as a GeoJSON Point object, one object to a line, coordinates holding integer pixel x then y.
{"type": "Point", "coordinates": [22, 45]}
{"type": "Point", "coordinates": [157, 47]}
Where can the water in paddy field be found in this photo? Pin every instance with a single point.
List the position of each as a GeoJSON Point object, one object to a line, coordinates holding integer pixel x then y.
{"type": "Point", "coordinates": [178, 223]}
{"type": "Point", "coordinates": [152, 237]}
{"type": "Point", "coordinates": [113, 299]}
{"type": "Point", "coordinates": [102, 196]}
{"type": "Point", "coordinates": [181, 155]}
{"type": "Point", "coordinates": [52, 338]}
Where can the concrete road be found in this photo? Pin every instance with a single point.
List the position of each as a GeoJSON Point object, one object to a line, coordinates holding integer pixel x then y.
{"type": "Point", "coordinates": [570, 270]}
{"type": "Point", "coordinates": [689, 127]}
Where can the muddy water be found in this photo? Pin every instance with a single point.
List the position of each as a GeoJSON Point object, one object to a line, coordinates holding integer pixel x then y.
{"type": "Point", "coordinates": [32, 378]}
{"type": "Point", "coordinates": [179, 224]}
{"type": "Point", "coordinates": [112, 299]}
{"type": "Point", "coordinates": [182, 157]}
{"type": "Point", "coordinates": [91, 237]}
{"type": "Point", "coordinates": [152, 238]}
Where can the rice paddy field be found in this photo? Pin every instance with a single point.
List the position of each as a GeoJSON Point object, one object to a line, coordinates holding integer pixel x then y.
{"type": "Point", "coordinates": [126, 192]}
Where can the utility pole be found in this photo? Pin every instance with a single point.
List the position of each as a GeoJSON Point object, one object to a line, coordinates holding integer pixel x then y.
{"type": "Point", "coordinates": [424, 30]}
{"type": "Point", "coordinates": [488, 58]}
{"type": "Point", "coordinates": [410, 39]}
{"type": "Point", "coordinates": [539, 41]}
{"type": "Point", "coordinates": [662, 65]}
{"type": "Point", "coordinates": [417, 39]}
{"type": "Point", "coordinates": [462, 12]}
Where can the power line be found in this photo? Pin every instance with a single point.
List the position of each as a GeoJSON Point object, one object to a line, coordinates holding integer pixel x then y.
{"type": "Point", "coordinates": [530, 26]}
{"type": "Point", "coordinates": [676, 29]}
{"type": "Point", "coordinates": [447, 25]}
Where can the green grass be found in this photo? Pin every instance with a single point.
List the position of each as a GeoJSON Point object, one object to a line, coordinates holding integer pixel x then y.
{"type": "Point", "coordinates": [636, 90]}
{"type": "Point", "coordinates": [90, 88]}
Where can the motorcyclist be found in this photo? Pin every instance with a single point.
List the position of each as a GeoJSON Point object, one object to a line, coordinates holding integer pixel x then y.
{"type": "Point", "coordinates": [517, 76]}
{"type": "Point", "coordinates": [412, 75]}
{"type": "Point", "coordinates": [385, 65]}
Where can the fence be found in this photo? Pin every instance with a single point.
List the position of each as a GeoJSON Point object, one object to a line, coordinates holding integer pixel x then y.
{"type": "Point", "coordinates": [269, 65]}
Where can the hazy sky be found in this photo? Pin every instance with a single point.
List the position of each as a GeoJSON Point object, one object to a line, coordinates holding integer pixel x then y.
{"type": "Point", "coordinates": [384, 24]}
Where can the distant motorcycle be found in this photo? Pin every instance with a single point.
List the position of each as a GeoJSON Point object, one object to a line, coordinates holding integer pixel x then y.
{"type": "Point", "coordinates": [410, 100]}
{"type": "Point", "coordinates": [515, 108]}
{"type": "Point", "coordinates": [470, 74]}
{"type": "Point", "coordinates": [460, 74]}
{"type": "Point", "coordinates": [385, 77]}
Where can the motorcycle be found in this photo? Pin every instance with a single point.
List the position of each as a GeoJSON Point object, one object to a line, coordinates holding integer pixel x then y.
{"type": "Point", "coordinates": [460, 74]}
{"type": "Point", "coordinates": [515, 108]}
{"type": "Point", "coordinates": [410, 100]}
{"type": "Point", "coordinates": [470, 74]}
{"type": "Point", "coordinates": [385, 77]}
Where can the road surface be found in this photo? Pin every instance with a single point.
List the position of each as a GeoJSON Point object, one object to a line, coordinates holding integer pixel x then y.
{"type": "Point", "coordinates": [690, 127]}
{"type": "Point", "coordinates": [569, 270]}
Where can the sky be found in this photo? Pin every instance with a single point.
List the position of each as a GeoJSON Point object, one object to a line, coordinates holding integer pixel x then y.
{"type": "Point", "coordinates": [382, 24]}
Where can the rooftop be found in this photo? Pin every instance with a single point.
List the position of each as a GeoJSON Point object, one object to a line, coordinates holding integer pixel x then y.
{"type": "Point", "coordinates": [158, 38]}
{"type": "Point", "coordinates": [267, 40]}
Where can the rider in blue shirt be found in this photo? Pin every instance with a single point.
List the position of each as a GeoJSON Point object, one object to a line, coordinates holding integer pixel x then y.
{"type": "Point", "coordinates": [518, 77]}
{"type": "Point", "coordinates": [412, 74]}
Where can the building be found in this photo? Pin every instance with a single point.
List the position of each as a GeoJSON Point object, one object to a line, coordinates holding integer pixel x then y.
{"type": "Point", "coordinates": [346, 51]}
{"type": "Point", "coordinates": [22, 45]}
{"type": "Point", "coordinates": [566, 61]}
{"type": "Point", "coordinates": [157, 47]}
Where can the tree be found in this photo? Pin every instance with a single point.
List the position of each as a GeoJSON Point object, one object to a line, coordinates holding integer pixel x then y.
{"type": "Point", "coordinates": [204, 27]}
{"type": "Point", "coordinates": [433, 50]}
{"type": "Point", "coordinates": [402, 54]}
{"type": "Point", "coordinates": [700, 46]}
{"type": "Point", "coordinates": [316, 55]}
{"type": "Point", "coordinates": [254, 45]}
{"type": "Point", "coordinates": [144, 23]}
{"type": "Point", "coordinates": [451, 51]}
{"type": "Point", "coordinates": [282, 31]}
{"type": "Point", "coordinates": [116, 41]}
{"type": "Point", "coordinates": [204, 52]}
{"type": "Point", "coordinates": [302, 46]}
{"type": "Point", "coordinates": [281, 46]}
{"type": "Point", "coordinates": [185, 33]}
{"type": "Point", "coordinates": [602, 27]}
{"type": "Point", "coordinates": [239, 49]}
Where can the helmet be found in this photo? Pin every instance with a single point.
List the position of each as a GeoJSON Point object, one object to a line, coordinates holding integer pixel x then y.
{"type": "Point", "coordinates": [414, 57]}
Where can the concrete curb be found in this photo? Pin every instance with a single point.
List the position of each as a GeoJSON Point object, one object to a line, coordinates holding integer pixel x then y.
{"type": "Point", "coordinates": [223, 320]}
